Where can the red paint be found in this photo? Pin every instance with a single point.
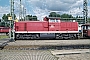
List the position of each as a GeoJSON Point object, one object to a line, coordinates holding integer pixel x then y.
{"type": "Point", "coordinates": [4, 29]}
{"type": "Point", "coordinates": [45, 26]}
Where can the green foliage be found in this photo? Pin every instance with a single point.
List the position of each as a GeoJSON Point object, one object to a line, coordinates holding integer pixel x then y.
{"type": "Point", "coordinates": [89, 19]}
{"type": "Point", "coordinates": [5, 17]}
{"type": "Point", "coordinates": [66, 16]}
{"type": "Point", "coordinates": [2, 24]}
{"type": "Point", "coordinates": [31, 18]}
{"type": "Point", "coordinates": [79, 17]}
{"type": "Point", "coordinates": [3, 37]}
{"type": "Point", "coordinates": [54, 14]}
{"type": "Point", "coordinates": [5, 20]}
{"type": "Point", "coordinates": [34, 18]}
{"type": "Point", "coordinates": [0, 20]}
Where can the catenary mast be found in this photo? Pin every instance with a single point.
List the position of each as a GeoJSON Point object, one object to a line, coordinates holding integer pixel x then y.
{"type": "Point", "coordinates": [85, 11]}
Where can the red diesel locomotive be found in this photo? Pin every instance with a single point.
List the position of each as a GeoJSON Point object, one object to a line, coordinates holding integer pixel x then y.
{"type": "Point", "coordinates": [49, 28]}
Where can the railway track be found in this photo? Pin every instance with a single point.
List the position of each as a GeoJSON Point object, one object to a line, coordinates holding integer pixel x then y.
{"type": "Point", "coordinates": [46, 47]}
{"type": "Point", "coordinates": [47, 44]}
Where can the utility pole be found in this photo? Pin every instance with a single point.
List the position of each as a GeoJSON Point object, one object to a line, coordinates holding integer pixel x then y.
{"type": "Point", "coordinates": [25, 14]}
{"type": "Point", "coordinates": [85, 11]}
{"type": "Point", "coordinates": [12, 20]}
{"type": "Point", "coordinates": [20, 11]}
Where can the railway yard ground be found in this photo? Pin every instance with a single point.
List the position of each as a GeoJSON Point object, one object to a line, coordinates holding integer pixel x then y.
{"type": "Point", "coordinates": [45, 49]}
{"type": "Point", "coordinates": [3, 37]}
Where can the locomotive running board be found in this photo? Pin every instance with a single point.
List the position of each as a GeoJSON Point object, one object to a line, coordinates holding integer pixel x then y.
{"type": "Point", "coordinates": [46, 32]}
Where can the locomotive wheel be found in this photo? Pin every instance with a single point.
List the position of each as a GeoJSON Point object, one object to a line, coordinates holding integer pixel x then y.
{"type": "Point", "coordinates": [58, 36]}
{"type": "Point", "coordinates": [71, 36]}
{"type": "Point", "coordinates": [17, 36]}
{"type": "Point", "coordinates": [35, 36]}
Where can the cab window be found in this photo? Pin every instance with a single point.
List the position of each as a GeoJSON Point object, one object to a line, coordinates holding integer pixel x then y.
{"type": "Point", "coordinates": [53, 20]}
{"type": "Point", "coordinates": [89, 27]}
{"type": "Point", "coordinates": [86, 27]}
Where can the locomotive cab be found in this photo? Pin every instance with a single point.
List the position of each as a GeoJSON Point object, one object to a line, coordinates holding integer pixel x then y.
{"type": "Point", "coordinates": [86, 30]}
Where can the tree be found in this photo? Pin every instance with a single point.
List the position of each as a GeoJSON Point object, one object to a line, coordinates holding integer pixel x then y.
{"type": "Point", "coordinates": [0, 20]}
{"type": "Point", "coordinates": [2, 24]}
{"type": "Point", "coordinates": [89, 19]}
{"type": "Point", "coordinates": [5, 20]}
{"type": "Point", "coordinates": [66, 16]}
{"type": "Point", "coordinates": [5, 17]}
{"type": "Point", "coordinates": [54, 14]}
{"type": "Point", "coordinates": [34, 18]}
{"type": "Point", "coordinates": [31, 18]}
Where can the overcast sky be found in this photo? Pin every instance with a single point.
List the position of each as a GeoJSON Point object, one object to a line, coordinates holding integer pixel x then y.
{"type": "Point", "coordinates": [42, 8]}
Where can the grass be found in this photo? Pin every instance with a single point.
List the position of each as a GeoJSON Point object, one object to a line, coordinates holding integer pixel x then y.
{"type": "Point", "coordinates": [3, 37]}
